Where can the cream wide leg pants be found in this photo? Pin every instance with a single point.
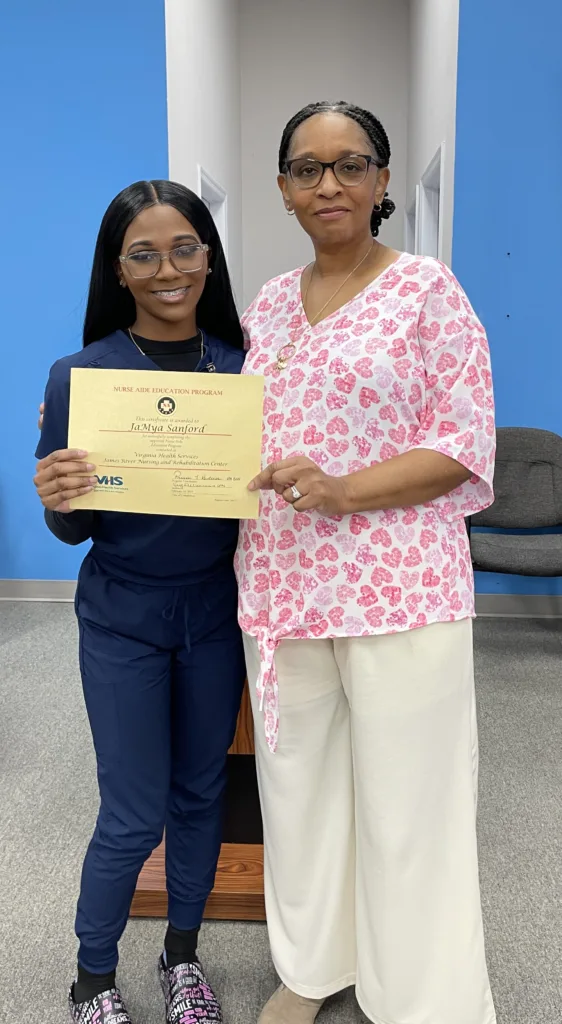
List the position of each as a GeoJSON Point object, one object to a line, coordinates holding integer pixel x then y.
{"type": "Point", "coordinates": [369, 808]}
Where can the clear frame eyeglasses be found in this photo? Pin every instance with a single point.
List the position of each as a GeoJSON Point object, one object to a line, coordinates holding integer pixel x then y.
{"type": "Point", "coordinates": [348, 170]}
{"type": "Point", "coordinates": [186, 259]}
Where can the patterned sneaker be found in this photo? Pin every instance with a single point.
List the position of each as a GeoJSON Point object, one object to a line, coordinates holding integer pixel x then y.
{"type": "Point", "coordinates": [107, 1008]}
{"type": "Point", "coordinates": [189, 997]}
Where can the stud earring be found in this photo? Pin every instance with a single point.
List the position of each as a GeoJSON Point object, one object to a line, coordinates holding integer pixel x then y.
{"type": "Point", "coordinates": [209, 271]}
{"type": "Point", "coordinates": [122, 283]}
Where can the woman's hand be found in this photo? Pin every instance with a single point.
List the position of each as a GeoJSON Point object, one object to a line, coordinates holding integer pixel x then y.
{"type": "Point", "coordinates": [413, 478]}
{"type": "Point", "coordinates": [63, 475]}
{"type": "Point", "coordinates": [304, 486]}
{"type": "Point", "coordinates": [41, 412]}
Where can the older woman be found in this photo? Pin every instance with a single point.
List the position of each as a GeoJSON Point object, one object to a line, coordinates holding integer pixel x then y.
{"type": "Point", "coordinates": [356, 597]}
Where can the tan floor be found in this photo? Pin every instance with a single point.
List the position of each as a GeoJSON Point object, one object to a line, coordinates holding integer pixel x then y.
{"type": "Point", "coordinates": [48, 805]}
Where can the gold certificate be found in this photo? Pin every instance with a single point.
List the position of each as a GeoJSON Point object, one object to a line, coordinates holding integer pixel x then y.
{"type": "Point", "coordinates": [182, 444]}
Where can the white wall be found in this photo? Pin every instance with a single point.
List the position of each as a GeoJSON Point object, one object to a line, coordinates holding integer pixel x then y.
{"type": "Point", "coordinates": [432, 98]}
{"type": "Point", "coordinates": [238, 69]}
{"type": "Point", "coordinates": [203, 80]}
{"type": "Point", "coordinates": [294, 52]}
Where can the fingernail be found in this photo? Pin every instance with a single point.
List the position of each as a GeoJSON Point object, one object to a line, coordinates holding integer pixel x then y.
{"type": "Point", "coordinates": [251, 486]}
{"type": "Point", "coordinates": [90, 466]}
{"type": "Point", "coordinates": [93, 481]}
{"type": "Point", "coordinates": [81, 453]}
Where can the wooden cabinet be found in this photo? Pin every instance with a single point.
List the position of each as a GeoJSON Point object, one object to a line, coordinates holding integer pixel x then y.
{"type": "Point", "coordinates": [238, 892]}
{"type": "Point", "coordinates": [244, 739]}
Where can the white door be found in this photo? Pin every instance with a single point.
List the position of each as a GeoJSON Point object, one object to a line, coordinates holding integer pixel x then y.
{"type": "Point", "coordinates": [412, 223]}
{"type": "Point", "coordinates": [430, 208]}
{"type": "Point", "coordinates": [215, 199]}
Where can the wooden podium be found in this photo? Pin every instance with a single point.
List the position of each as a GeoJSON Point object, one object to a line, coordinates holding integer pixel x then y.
{"type": "Point", "coordinates": [238, 892]}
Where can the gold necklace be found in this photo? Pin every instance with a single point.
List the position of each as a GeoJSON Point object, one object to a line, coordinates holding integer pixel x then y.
{"type": "Point", "coordinates": [130, 333]}
{"type": "Point", "coordinates": [287, 351]}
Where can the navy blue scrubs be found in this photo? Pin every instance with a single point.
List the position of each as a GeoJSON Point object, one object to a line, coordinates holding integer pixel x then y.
{"type": "Point", "coordinates": [162, 669]}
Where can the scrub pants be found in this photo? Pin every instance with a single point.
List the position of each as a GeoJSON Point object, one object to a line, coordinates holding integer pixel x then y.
{"type": "Point", "coordinates": [162, 671]}
{"type": "Point", "coordinates": [369, 811]}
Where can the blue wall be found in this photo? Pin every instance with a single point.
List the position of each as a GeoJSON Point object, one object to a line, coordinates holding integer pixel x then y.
{"type": "Point", "coordinates": [84, 114]}
{"type": "Point", "coordinates": [508, 209]}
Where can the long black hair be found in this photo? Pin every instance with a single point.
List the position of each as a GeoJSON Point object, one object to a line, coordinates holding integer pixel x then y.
{"type": "Point", "coordinates": [111, 308]}
{"type": "Point", "coordinates": [373, 130]}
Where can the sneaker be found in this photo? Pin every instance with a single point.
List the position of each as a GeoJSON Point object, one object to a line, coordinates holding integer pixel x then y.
{"type": "Point", "coordinates": [107, 1008]}
{"type": "Point", "coordinates": [189, 997]}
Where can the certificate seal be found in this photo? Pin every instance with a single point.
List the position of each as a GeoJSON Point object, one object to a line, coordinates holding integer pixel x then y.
{"type": "Point", "coordinates": [166, 405]}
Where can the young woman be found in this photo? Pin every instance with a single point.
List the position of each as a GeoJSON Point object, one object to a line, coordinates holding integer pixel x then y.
{"type": "Point", "coordinates": [161, 654]}
{"type": "Point", "coordinates": [356, 599]}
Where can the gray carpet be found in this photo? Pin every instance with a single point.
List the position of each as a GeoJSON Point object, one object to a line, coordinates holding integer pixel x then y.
{"type": "Point", "coordinates": [48, 805]}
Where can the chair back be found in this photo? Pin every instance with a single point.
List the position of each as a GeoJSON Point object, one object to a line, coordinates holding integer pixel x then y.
{"type": "Point", "coordinates": [527, 480]}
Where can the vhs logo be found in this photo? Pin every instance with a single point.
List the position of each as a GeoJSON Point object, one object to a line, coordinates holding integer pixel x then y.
{"type": "Point", "coordinates": [110, 481]}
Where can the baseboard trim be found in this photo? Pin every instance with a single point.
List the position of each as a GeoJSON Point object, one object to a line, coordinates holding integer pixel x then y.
{"type": "Point", "coordinates": [521, 606]}
{"type": "Point", "coordinates": [60, 591]}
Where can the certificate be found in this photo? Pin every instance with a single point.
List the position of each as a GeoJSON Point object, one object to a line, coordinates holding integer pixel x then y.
{"type": "Point", "coordinates": [183, 444]}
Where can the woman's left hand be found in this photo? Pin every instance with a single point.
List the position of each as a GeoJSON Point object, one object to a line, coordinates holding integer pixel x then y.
{"type": "Point", "coordinates": [304, 486]}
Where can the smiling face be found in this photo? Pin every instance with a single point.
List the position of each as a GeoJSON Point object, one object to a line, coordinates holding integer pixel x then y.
{"type": "Point", "coordinates": [169, 299]}
{"type": "Point", "coordinates": [332, 213]}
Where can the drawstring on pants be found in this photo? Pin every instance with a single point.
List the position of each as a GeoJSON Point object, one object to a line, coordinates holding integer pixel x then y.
{"type": "Point", "coordinates": [169, 613]}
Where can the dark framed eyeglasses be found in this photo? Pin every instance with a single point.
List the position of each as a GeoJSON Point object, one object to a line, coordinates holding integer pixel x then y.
{"type": "Point", "coordinates": [186, 259]}
{"type": "Point", "coordinates": [348, 170]}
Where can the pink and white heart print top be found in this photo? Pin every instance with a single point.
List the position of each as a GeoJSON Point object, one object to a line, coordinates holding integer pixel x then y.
{"type": "Point", "coordinates": [405, 364]}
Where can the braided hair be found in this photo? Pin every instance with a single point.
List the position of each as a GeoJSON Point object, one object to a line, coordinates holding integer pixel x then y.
{"type": "Point", "coordinates": [373, 130]}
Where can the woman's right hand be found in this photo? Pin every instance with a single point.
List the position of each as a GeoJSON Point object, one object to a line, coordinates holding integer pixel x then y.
{"type": "Point", "coordinates": [61, 476]}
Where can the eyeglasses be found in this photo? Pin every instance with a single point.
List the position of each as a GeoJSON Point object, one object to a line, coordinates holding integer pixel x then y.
{"type": "Point", "coordinates": [348, 170]}
{"type": "Point", "coordinates": [186, 259]}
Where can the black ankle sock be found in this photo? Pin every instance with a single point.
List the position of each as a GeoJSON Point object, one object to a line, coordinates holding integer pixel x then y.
{"type": "Point", "coordinates": [181, 947]}
{"type": "Point", "coordinates": [88, 986]}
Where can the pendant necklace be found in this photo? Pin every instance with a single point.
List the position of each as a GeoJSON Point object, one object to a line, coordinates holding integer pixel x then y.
{"type": "Point", "coordinates": [287, 351]}
{"type": "Point", "coordinates": [130, 333]}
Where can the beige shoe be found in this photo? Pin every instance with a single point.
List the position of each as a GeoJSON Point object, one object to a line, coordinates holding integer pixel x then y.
{"type": "Point", "coordinates": [285, 1007]}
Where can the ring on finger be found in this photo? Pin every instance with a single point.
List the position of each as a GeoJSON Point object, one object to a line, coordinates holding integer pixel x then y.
{"type": "Point", "coordinates": [295, 492]}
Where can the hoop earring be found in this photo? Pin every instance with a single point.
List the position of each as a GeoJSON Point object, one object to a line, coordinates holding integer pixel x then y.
{"type": "Point", "coordinates": [122, 282]}
{"type": "Point", "coordinates": [377, 208]}
{"type": "Point", "coordinates": [290, 212]}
